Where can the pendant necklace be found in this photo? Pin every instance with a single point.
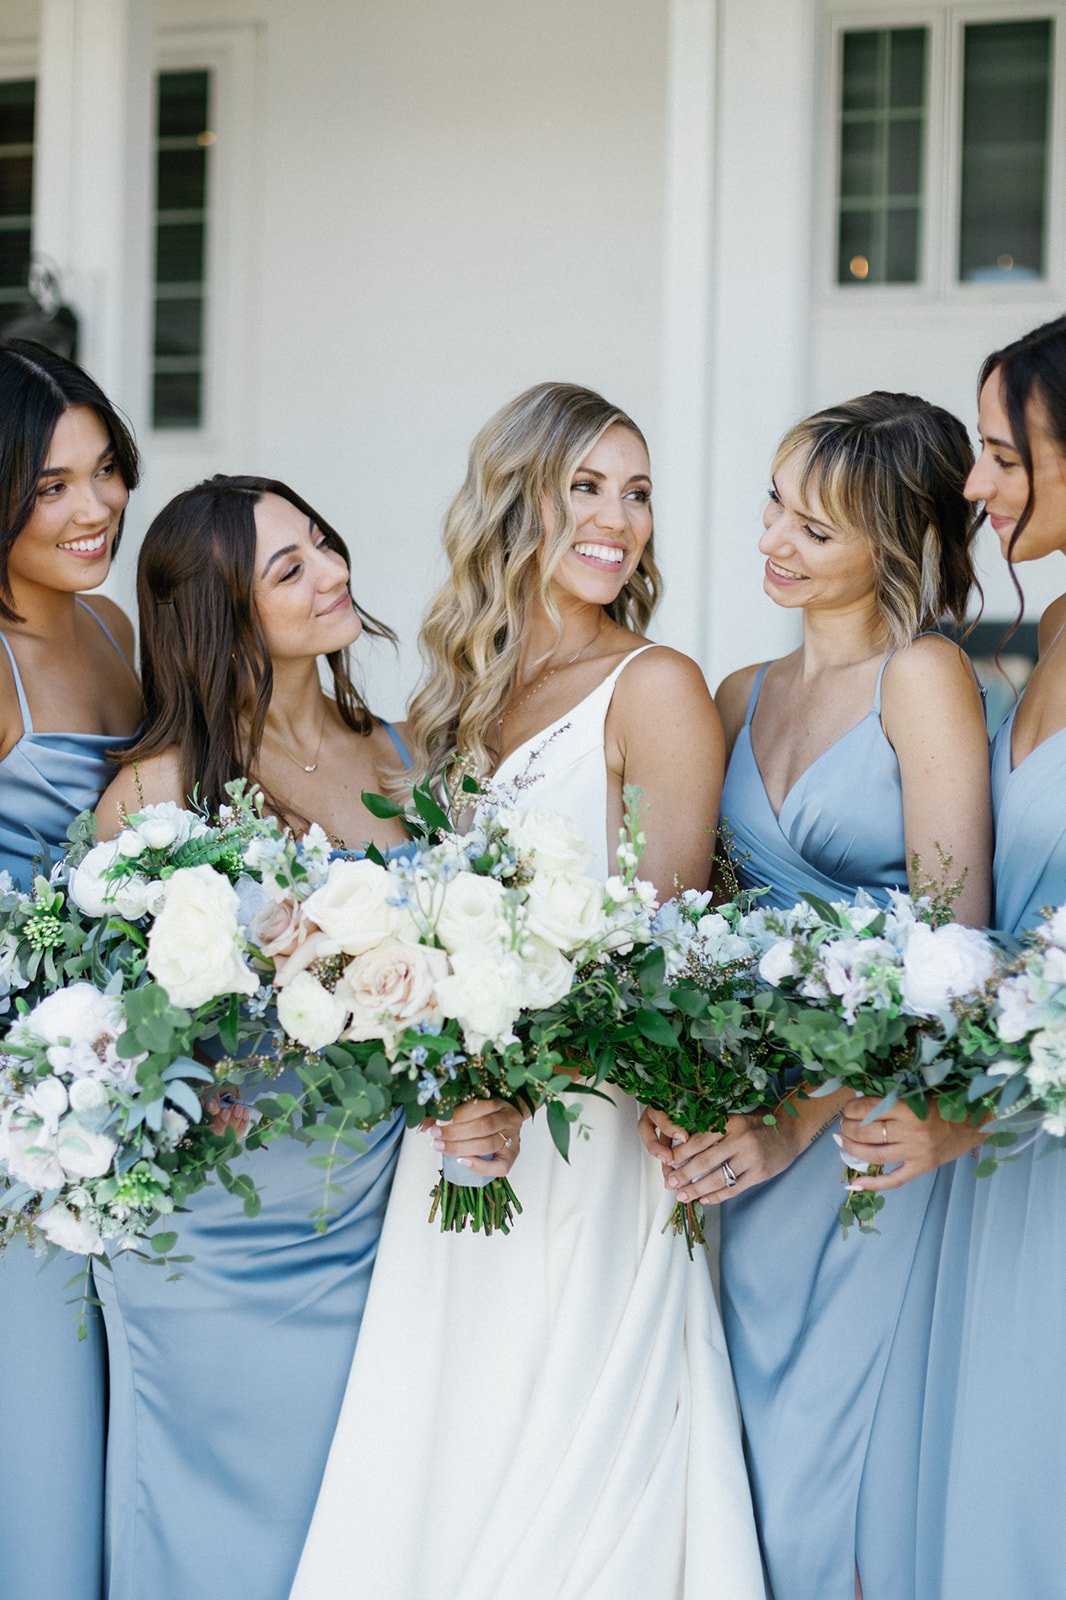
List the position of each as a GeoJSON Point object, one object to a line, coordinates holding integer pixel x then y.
{"type": "Point", "coordinates": [542, 677]}
{"type": "Point", "coordinates": [304, 766]}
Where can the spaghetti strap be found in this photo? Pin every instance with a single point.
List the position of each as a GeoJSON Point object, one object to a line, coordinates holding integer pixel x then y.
{"type": "Point", "coordinates": [405, 754]}
{"type": "Point", "coordinates": [27, 720]}
{"type": "Point", "coordinates": [102, 624]}
{"type": "Point", "coordinates": [753, 699]}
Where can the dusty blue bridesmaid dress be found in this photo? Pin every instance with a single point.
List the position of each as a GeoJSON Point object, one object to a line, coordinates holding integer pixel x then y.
{"type": "Point", "coordinates": [828, 1335]}
{"type": "Point", "coordinates": [52, 1388]}
{"type": "Point", "coordinates": [994, 1487]}
{"type": "Point", "coordinates": [226, 1384]}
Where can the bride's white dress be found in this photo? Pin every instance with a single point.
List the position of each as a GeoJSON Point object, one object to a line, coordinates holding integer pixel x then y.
{"type": "Point", "coordinates": [548, 1415]}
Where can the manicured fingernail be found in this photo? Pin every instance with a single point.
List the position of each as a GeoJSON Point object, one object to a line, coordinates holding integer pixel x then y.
{"type": "Point", "coordinates": [673, 1182]}
{"type": "Point", "coordinates": [855, 1188]}
{"type": "Point", "coordinates": [438, 1144]}
{"type": "Point", "coordinates": [837, 1140]}
{"type": "Point", "coordinates": [463, 1162]}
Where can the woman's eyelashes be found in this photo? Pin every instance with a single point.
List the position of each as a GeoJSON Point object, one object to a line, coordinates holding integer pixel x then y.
{"type": "Point", "coordinates": [640, 492]}
{"type": "Point", "coordinates": [819, 538]}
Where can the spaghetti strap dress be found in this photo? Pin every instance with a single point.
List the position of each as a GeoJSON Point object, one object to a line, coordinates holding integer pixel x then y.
{"type": "Point", "coordinates": [993, 1495]}
{"type": "Point", "coordinates": [225, 1384]}
{"type": "Point", "coordinates": [828, 1335]}
{"type": "Point", "coordinates": [52, 1394]}
{"type": "Point", "coordinates": [550, 1413]}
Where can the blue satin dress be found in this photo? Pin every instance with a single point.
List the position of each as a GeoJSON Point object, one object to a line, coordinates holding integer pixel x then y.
{"type": "Point", "coordinates": [226, 1384]}
{"type": "Point", "coordinates": [994, 1490]}
{"type": "Point", "coordinates": [52, 1388]}
{"type": "Point", "coordinates": [828, 1335]}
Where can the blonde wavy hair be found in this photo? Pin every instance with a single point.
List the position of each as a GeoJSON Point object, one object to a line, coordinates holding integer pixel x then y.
{"type": "Point", "coordinates": [891, 467]}
{"type": "Point", "coordinates": [523, 458]}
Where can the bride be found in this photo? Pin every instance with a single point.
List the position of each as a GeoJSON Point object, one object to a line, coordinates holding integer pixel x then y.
{"type": "Point", "coordinates": [550, 1413]}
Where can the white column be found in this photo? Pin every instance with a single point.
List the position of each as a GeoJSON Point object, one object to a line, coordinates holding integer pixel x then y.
{"type": "Point", "coordinates": [93, 182]}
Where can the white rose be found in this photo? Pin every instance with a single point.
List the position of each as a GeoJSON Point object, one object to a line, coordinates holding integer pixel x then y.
{"type": "Point", "coordinates": [392, 987]}
{"type": "Point", "coordinates": [309, 1013]}
{"type": "Point", "coordinates": [352, 907]}
{"type": "Point", "coordinates": [195, 949]}
{"type": "Point", "coordinates": [78, 1015]}
{"type": "Point", "coordinates": [99, 896]}
{"type": "Point", "coordinates": [83, 1153]}
{"type": "Point", "coordinates": [166, 824]}
{"type": "Point", "coordinates": [552, 842]}
{"type": "Point", "coordinates": [484, 993]}
{"type": "Point", "coordinates": [1016, 1009]}
{"type": "Point", "coordinates": [779, 963]}
{"type": "Point", "coordinates": [28, 1155]}
{"type": "Point", "coordinates": [546, 973]}
{"type": "Point", "coordinates": [70, 1232]}
{"type": "Point", "coordinates": [472, 913]}
{"type": "Point", "coordinates": [568, 912]}
{"type": "Point", "coordinates": [940, 964]}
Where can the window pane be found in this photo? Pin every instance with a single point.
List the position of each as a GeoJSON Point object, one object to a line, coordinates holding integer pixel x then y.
{"type": "Point", "coordinates": [14, 257]}
{"type": "Point", "coordinates": [1005, 130]}
{"type": "Point", "coordinates": [882, 153]}
{"type": "Point", "coordinates": [17, 100]}
{"type": "Point", "coordinates": [183, 161]}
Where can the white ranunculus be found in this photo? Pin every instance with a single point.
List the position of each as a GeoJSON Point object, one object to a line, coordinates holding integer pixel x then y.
{"type": "Point", "coordinates": [779, 963]}
{"type": "Point", "coordinates": [568, 912]}
{"type": "Point", "coordinates": [77, 1234]}
{"type": "Point", "coordinates": [167, 825]}
{"type": "Point", "coordinates": [546, 973]}
{"type": "Point", "coordinates": [942, 964]}
{"type": "Point", "coordinates": [195, 948]}
{"type": "Point", "coordinates": [484, 993]}
{"type": "Point", "coordinates": [390, 988]}
{"type": "Point", "coordinates": [1016, 1009]}
{"type": "Point", "coordinates": [309, 1013]}
{"type": "Point", "coordinates": [89, 1101]}
{"type": "Point", "coordinates": [352, 907]}
{"type": "Point", "coordinates": [78, 1014]}
{"type": "Point", "coordinates": [549, 841]}
{"type": "Point", "coordinates": [472, 913]}
{"type": "Point", "coordinates": [83, 1153]}
{"type": "Point", "coordinates": [1055, 928]}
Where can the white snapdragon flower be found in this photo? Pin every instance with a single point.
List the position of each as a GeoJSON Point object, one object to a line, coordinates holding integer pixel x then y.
{"type": "Point", "coordinates": [315, 851]}
{"type": "Point", "coordinates": [195, 948]}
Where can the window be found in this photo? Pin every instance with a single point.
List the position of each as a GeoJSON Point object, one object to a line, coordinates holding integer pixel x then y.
{"type": "Point", "coordinates": [17, 98]}
{"type": "Point", "coordinates": [183, 169]}
{"type": "Point", "coordinates": [945, 149]}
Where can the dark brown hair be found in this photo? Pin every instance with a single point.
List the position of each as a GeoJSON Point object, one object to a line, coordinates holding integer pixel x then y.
{"type": "Point", "coordinates": [205, 666]}
{"type": "Point", "coordinates": [36, 387]}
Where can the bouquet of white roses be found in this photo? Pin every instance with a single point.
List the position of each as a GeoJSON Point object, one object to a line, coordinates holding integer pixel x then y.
{"type": "Point", "coordinates": [453, 974]}
{"type": "Point", "coordinates": [116, 968]}
{"type": "Point", "coordinates": [898, 1009]}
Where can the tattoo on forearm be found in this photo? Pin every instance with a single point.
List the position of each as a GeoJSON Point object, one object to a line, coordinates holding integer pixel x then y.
{"type": "Point", "coordinates": [828, 1123]}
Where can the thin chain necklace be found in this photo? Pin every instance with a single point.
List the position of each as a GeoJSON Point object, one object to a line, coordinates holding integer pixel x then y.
{"type": "Point", "coordinates": [304, 766]}
{"type": "Point", "coordinates": [542, 677]}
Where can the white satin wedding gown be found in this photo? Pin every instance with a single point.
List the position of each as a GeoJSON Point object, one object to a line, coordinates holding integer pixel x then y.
{"type": "Point", "coordinates": [548, 1415]}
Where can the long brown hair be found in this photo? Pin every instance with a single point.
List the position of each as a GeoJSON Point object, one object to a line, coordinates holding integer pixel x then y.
{"type": "Point", "coordinates": [205, 666]}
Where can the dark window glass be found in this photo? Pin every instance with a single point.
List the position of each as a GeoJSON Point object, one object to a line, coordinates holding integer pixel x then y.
{"type": "Point", "coordinates": [1006, 118]}
{"type": "Point", "coordinates": [882, 151]}
{"type": "Point", "coordinates": [183, 175]}
{"type": "Point", "coordinates": [17, 101]}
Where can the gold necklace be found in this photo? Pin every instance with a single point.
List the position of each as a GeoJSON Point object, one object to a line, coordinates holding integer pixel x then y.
{"type": "Point", "coordinates": [303, 766]}
{"type": "Point", "coordinates": [542, 677]}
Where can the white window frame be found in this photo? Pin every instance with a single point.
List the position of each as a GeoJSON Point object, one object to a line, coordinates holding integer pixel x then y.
{"type": "Point", "coordinates": [942, 164]}
{"type": "Point", "coordinates": [229, 56]}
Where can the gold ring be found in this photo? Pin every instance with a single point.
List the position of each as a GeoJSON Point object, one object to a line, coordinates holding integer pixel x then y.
{"type": "Point", "coordinates": [507, 1143]}
{"type": "Point", "coordinates": [884, 1133]}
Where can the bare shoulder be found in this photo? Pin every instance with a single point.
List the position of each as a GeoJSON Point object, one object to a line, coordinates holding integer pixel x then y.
{"type": "Point", "coordinates": [732, 698]}
{"type": "Point", "coordinates": [662, 670]}
{"type": "Point", "coordinates": [150, 782]}
{"type": "Point", "coordinates": [115, 619]}
{"type": "Point", "coordinates": [930, 676]}
{"type": "Point", "coordinates": [1052, 622]}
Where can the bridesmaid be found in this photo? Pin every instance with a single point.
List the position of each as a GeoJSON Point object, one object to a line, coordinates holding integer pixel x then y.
{"type": "Point", "coordinates": [68, 695]}
{"type": "Point", "coordinates": [225, 1385]}
{"type": "Point", "coordinates": [993, 1499]}
{"type": "Point", "coordinates": [862, 750]}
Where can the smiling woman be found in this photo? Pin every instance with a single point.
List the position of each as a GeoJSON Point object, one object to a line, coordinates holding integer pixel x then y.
{"type": "Point", "coordinates": [68, 696]}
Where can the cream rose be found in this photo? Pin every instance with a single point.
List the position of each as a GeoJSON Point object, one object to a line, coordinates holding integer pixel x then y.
{"type": "Point", "coordinates": [551, 842]}
{"type": "Point", "coordinates": [472, 913]}
{"type": "Point", "coordinates": [277, 927]}
{"type": "Point", "coordinates": [940, 964]}
{"type": "Point", "coordinates": [568, 912]}
{"type": "Point", "coordinates": [195, 948]}
{"type": "Point", "coordinates": [546, 973]}
{"type": "Point", "coordinates": [484, 993]}
{"type": "Point", "coordinates": [392, 987]}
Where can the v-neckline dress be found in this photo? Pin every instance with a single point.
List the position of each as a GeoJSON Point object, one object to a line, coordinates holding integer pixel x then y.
{"type": "Point", "coordinates": [557, 1405]}
{"type": "Point", "coordinates": [828, 1335]}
